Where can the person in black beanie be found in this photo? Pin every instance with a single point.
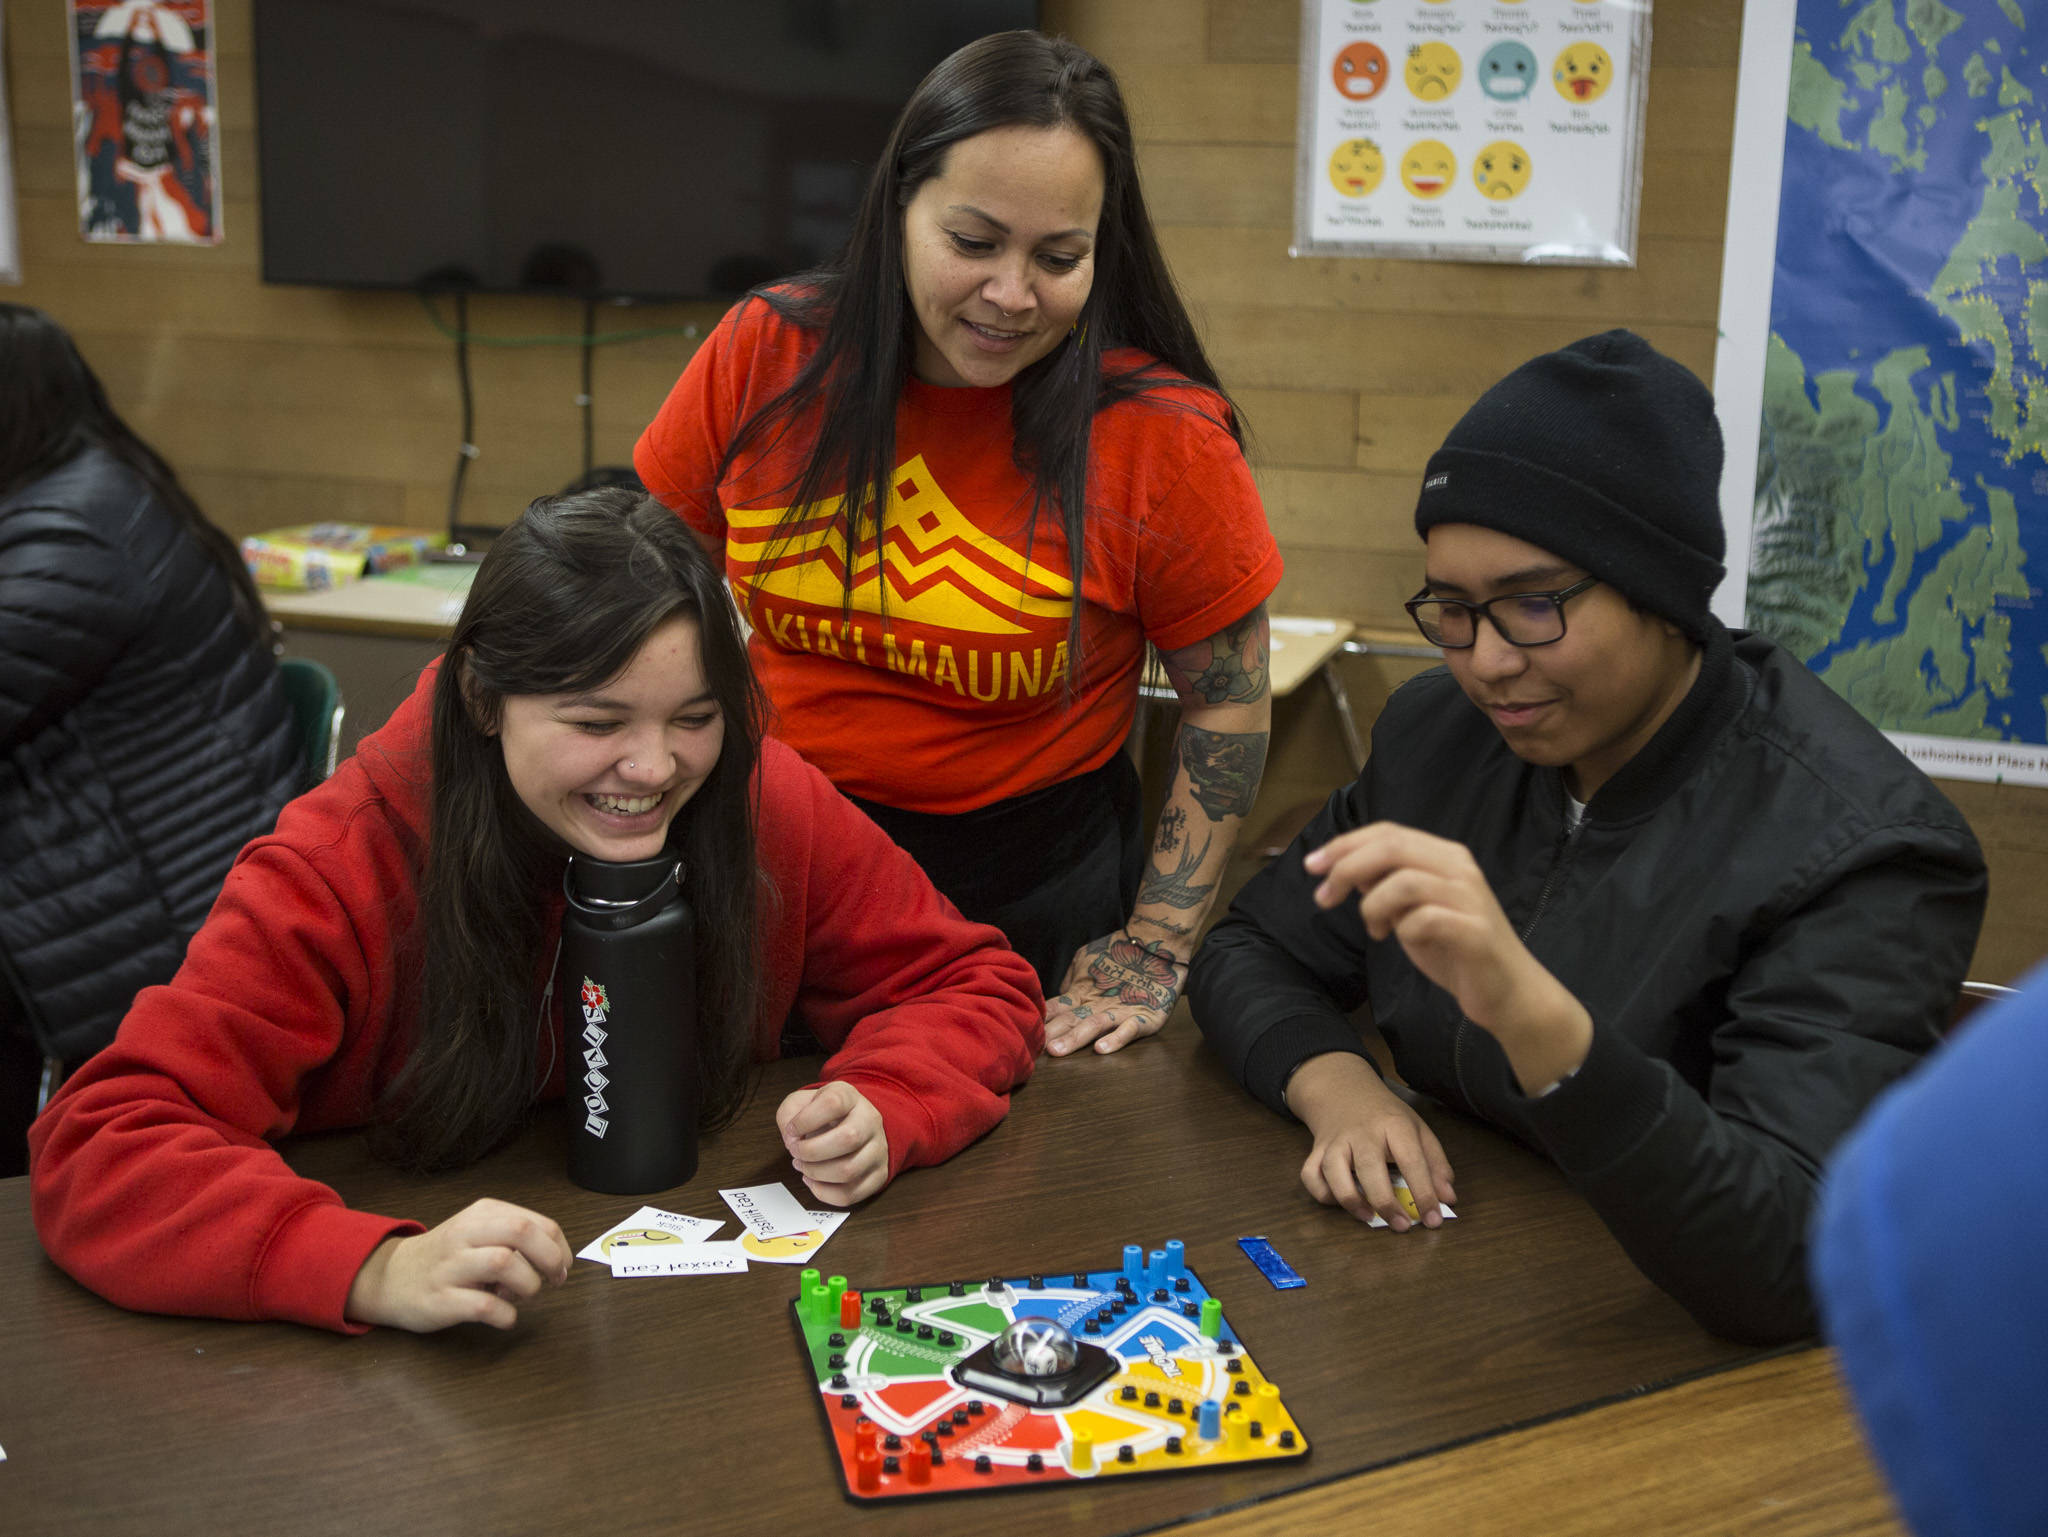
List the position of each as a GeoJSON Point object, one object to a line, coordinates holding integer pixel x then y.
{"type": "Point", "coordinates": [1640, 891]}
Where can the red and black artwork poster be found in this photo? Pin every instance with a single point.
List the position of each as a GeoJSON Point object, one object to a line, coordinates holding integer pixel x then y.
{"type": "Point", "coordinates": [143, 119]}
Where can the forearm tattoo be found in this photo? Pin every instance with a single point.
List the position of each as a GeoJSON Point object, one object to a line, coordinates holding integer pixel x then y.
{"type": "Point", "coordinates": [1227, 668]}
{"type": "Point", "coordinates": [1223, 768]}
{"type": "Point", "coordinates": [1179, 889]}
{"type": "Point", "coordinates": [1171, 821]}
{"type": "Point", "coordinates": [1135, 973]}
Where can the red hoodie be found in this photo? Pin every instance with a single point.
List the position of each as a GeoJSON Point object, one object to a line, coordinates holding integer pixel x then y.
{"type": "Point", "coordinates": [153, 1178]}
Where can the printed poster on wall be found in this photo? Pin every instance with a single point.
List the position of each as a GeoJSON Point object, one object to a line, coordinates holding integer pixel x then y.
{"type": "Point", "coordinates": [1893, 367]}
{"type": "Point", "coordinates": [143, 120]}
{"type": "Point", "coordinates": [1471, 130]}
{"type": "Point", "coordinates": [10, 225]}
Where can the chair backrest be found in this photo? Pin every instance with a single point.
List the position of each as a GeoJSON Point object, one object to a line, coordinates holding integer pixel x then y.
{"type": "Point", "coordinates": [317, 711]}
{"type": "Point", "coordinates": [1973, 996]}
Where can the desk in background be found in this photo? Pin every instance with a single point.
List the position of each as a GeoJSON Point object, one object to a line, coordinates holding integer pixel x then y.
{"type": "Point", "coordinates": [664, 1405]}
{"type": "Point", "coordinates": [376, 635]}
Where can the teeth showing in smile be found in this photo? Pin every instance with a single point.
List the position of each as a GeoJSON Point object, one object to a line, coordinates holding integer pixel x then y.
{"type": "Point", "coordinates": [625, 805]}
{"type": "Point", "coordinates": [993, 334]}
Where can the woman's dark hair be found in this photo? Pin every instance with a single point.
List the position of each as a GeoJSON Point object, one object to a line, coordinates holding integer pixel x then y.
{"type": "Point", "coordinates": [563, 601]}
{"type": "Point", "coordinates": [52, 409]}
{"type": "Point", "coordinates": [1004, 80]}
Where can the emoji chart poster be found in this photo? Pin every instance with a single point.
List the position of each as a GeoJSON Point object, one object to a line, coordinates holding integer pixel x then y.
{"type": "Point", "coordinates": [1471, 130]}
{"type": "Point", "coordinates": [143, 121]}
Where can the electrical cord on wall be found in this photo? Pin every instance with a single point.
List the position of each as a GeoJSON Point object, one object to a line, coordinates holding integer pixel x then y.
{"type": "Point", "coordinates": [588, 342]}
{"type": "Point", "coordinates": [466, 450]}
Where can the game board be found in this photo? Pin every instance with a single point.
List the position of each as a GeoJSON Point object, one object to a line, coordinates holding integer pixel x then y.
{"type": "Point", "coordinates": [1158, 1383]}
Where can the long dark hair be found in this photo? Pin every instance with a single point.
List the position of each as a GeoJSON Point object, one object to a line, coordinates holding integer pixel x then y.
{"type": "Point", "coordinates": [52, 408]}
{"type": "Point", "coordinates": [1007, 79]}
{"type": "Point", "coordinates": [561, 603]}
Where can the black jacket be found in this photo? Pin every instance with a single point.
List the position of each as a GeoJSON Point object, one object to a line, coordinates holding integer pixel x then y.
{"type": "Point", "coordinates": [1767, 912]}
{"type": "Point", "coordinates": [144, 738]}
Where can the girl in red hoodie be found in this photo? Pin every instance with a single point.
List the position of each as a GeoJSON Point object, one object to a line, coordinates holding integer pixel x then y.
{"type": "Point", "coordinates": [383, 958]}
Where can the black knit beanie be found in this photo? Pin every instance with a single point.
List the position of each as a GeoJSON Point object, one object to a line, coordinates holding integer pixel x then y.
{"type": "Point", "coordinates": [1605, 453]}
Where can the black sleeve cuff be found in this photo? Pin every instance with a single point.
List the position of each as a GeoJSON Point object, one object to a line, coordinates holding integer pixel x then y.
{"type": "Point", "coordinates": [1601, 1113]}
{"type": "Point", "coordinates": [1288, 1043]}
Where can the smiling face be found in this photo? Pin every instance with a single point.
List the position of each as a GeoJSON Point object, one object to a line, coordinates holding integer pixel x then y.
{"type": "Point", "coordinates": [606, 771]}
{"type": "Point", "coordinates": [1433, 71]}
{"type": "Point", "coordinates": [1583, 72]}
{"type": "Point", "coordinates": [1427, 168]}
{"type": "Point", "coordinates": [1500, 171]}
{"type": "Point", "coordinates": [999, 253]}
{"type": "Point", "coordinates": [1356, 167]}
{"type": "Point", "coordinates": [1507, 71]}
{"type": "Point", "coordinates": [1360, 71]}
{"type": "Point", "coordinates": [1586, 704]}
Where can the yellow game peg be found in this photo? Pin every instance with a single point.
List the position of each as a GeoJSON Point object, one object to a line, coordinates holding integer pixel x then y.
{"type": "Point", "coordinates": [1081, 1452]}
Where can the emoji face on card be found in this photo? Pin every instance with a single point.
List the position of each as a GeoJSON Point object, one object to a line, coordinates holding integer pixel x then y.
{"type": "Point", "coordinates": [1582, 72]}
{"type": "Point", "coordinates": [636, 1238]}
{"type": "Point", "coordinates": [1360, 71]}
{"type": "Point", "coordinates": [1356, 166]}
{"type": "Point", "coordinates": [788, 1246]}
{"type": "Point", "coordinates": [1500, 171]}
{"type": "Point", "coordinates": [1427, 168]}
{"type": "Point", "coordinates": [1433, 71]}
{"type": "Point", "coordinates": [1507, 71]}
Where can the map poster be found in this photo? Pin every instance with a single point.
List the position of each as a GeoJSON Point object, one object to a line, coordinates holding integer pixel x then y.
{"type": "Point", "coordinates": [1899, 387]}
{"type": "Point", "coordinates": [143, 120]}
{"type": "Point", "coordinates": [1471, 130]}
{"type": "Point", "coordinates": [10, 226]}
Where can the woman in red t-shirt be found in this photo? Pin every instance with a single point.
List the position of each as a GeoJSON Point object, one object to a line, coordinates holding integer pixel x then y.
{"type": "Point", "coordinates": [960, 479]}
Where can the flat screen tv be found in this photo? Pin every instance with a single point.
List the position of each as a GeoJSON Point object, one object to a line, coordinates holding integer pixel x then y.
{"type": "Point", "coordinates": [652, 149]}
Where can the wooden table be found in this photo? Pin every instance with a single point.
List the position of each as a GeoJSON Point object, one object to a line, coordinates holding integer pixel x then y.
{"type": "Point", "coordinates": [412, 603]}
{"type": "Point", "coordinates": [663, 1405]}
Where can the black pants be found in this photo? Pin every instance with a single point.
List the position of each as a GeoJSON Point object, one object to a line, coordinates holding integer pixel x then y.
{"type": "Point", "coordinates": [1052, 869]}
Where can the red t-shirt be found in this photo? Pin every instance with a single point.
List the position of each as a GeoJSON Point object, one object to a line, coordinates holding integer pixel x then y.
{"type": "Point", "coordinates": [960, 697]}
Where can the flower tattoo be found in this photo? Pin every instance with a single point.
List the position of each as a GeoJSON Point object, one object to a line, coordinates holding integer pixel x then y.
{"type": "Point", "coordinates": [1135, 974]}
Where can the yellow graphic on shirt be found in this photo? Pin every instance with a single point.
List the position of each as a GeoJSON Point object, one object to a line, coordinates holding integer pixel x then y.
{"type": "Point", "coordinates": [939, 568]}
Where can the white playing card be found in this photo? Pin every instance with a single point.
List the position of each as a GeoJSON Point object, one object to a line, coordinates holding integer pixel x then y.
{"type": "Point", "coordinates": [649, 1227]}
{"type": "Point", "coordinates": [1401, 1188]}
{"type": "Point", "coordinates": [768, 1211]}
{"type": "Point", "coordinates": [691, 1259]}
{"type": "Point", "coordinates": [794, 1248]}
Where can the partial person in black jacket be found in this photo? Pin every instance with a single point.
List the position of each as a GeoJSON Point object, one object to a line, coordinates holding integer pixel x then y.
{"type": "Point", "coordinates": [1644, 893]}
{"type": "Point", "coordinates": [144, 731]}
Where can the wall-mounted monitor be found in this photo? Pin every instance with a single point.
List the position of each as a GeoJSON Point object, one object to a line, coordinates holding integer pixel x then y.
{"type": "Point", "coordinates": [657, 149]}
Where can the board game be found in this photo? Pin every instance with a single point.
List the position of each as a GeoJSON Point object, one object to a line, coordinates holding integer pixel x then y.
{"type": "Point", "coordinates": [957, 1386]}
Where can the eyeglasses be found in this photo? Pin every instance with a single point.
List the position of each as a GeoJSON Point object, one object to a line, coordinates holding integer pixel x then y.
{"type": "Point", "coordinates": [1520, 618]}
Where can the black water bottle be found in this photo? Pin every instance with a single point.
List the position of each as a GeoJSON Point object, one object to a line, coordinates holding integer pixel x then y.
{"type": "Point", "coordinates": [628, 990]}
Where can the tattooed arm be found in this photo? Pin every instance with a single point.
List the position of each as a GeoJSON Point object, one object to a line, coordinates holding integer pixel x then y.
{"type": "Point", "coordinates": [1123, 985]}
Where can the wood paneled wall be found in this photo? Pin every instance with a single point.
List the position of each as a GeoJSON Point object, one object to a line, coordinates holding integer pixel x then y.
{"type": "Point", "coordinates": [283, 404]}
